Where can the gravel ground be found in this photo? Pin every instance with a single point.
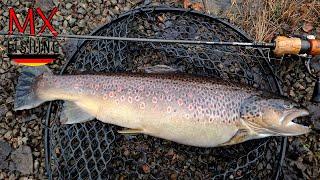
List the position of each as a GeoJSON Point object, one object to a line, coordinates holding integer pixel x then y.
{"type": "Point", "coordinates": [21, 133]}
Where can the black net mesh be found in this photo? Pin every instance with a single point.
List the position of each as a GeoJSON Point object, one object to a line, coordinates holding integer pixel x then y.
{"type": "Point", "coordinates": [95, 150]}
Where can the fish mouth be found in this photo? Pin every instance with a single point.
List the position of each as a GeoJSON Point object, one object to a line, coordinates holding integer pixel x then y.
{"type": "Point", "coordinates": [285, 126]}
{"type": "Point", "coordinates": [290, 128]}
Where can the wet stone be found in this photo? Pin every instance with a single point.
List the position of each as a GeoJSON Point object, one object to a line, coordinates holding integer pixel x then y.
{"type": "Point", "coordinates": [5, 150]}
{"type": "Point", "coordinates": [3, 110]}
{"type": "Point", "coordinates": [21, 160]}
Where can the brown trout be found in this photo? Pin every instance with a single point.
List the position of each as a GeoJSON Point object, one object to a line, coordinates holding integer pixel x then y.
{"type": "Point", "coordinates": [189, 110]}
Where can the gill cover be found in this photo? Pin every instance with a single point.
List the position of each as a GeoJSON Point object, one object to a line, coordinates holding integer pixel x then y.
{"type": "Point", "coordinates": [272, 117]}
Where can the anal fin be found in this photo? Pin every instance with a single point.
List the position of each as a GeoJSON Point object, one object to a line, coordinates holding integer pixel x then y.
{"type": "Point", "coordinates": [72, 114]}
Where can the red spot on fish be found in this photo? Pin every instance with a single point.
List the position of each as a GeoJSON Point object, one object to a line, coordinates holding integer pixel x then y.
{"type": "Point", "coordinates": [97, 86]}
{"type": "Point", "coordinates": [142, 105]}
{"type": "Point", "coordinates": [190, 107]}
{"type": "Point", "coordinates": [111, 94]}
{"type": "Point", "coordinates": [154, 100]}
{"type": "Point", "coordinates": [190, 95]}
{"type": "Point", "coordinates": [169, 109]}
{"type": "Point", "coordinates": [105, 97]}
{"type": "Point", "coordinates": [180, 102]}
{"type": "Point", "coordinates": [119, 89]}
{"type": "Point", "coordinates": [141, 87]}
{"type": "Point", "coordinates": [77, 86]}
{"type": "Point", "coordinates": [130, 99]}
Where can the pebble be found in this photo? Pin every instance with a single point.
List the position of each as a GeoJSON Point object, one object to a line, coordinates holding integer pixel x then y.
{"type": "Point", "coordinates": [5, 150]}
{"type": "Point", "coordinates": [81, 11]}
{"type": "Point", "coordinates": [36, 164]}
{"type": "Point", "coordinates": [113, 2]}
{"type": "Point", "coordinates": [309, 80]}
{"type": "Point", "coordinates": [72, 21]}
{"type": "Point", "coordinates": [97, 1]}
{"type": "Point", "coordinates": [68, 5]}
{"type": "Point", "coordinates": [3, 109]}
{"type": "Point", "coordinates": [97, 12]}
{"type": "Point", "coordinates": [82, 23]}
{"type": "Point", "coordinates": [65, 23]}
{"type": "Point", "coordinates": [21, 160]}
{"type": "Point", "coordinates": [23, 129]}
{"type": "Point", "coordinates": [8, 135]}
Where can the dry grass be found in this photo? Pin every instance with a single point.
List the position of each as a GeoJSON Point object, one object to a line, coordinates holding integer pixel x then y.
{"type": "Point", "coordinates": [263, 19]}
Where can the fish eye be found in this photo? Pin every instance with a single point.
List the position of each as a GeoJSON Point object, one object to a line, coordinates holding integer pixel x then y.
{"type": "Point", "coordinates": [288, 106]}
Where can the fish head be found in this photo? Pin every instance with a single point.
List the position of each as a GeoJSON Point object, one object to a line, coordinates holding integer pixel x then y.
{"type": "Point", "coordinates": [273, 117]}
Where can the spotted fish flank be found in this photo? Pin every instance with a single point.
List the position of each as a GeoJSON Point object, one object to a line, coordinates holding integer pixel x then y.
{"type": "Point", "coordinates": [190, 110]}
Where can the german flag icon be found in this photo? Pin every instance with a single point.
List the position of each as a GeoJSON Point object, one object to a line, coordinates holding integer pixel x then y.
{"type": "Point", "coordinates": [33, 59]}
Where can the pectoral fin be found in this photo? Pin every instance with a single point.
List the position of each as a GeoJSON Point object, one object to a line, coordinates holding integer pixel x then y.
{"type": "Point", "coordinates": [72, 114]}
{"type": "Point", "coordinates": [240, 136]}
{"type": "Point", "coordinates": [131, 131]}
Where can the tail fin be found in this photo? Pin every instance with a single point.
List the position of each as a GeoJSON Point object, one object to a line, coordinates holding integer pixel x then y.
{"type": "Point", "coordinates": [26, 97]}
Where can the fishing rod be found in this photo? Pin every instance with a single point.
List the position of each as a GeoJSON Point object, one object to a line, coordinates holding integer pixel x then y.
{"type": "Point", "coordinates": [280, 46]}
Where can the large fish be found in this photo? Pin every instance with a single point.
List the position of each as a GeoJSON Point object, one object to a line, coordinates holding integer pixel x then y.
{"type": "Point", "coordinates": [189, 110]}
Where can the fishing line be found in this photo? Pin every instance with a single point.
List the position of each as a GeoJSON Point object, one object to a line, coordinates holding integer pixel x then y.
{"type": "Point", "coordinates": [247, 45]}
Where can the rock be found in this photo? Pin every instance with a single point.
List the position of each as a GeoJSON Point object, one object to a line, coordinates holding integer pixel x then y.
{"type": "Point", "coordinates": [309, 80]}
{"type": "Point", "coordinates": [307, 27]}
{"type": "Point", "coordinates": [36, 164]}
{"type": "Point", "coordinates": [3, 110]}
{"type": "Point", "coordinates": [68, 5]}
{"type": "Point", "coordinates": [21, 160]}
{"type": "Point", "coordinates": [56, 2]}
{"type": "Point", "coordinates": [81, 11]}
{"type": "Point", "coordinates": [215, 7]}
{"type": "Point", "coordinates": [72, 21]}
{"type": "Point", "coordinates": [8, 135]}
{"type": "Point", "coordinates": [146, 168]}
{"type": "Point", "coordinates": [5, 150]}
{"type": "Point", "coordinates": [46, 5]}
{"type": "Point", "coordinates": [96, 12]}
{"type": "Point", "coordinates": [65, 23]}
{"type": "Point", "coordinates": [23, 129]}
{"type": "Point", "coordinates": [97, 1]}
{"type": "Point", "coordinates": [114, 2]}
{"type": "Point", "coordinates": [82, 23]}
